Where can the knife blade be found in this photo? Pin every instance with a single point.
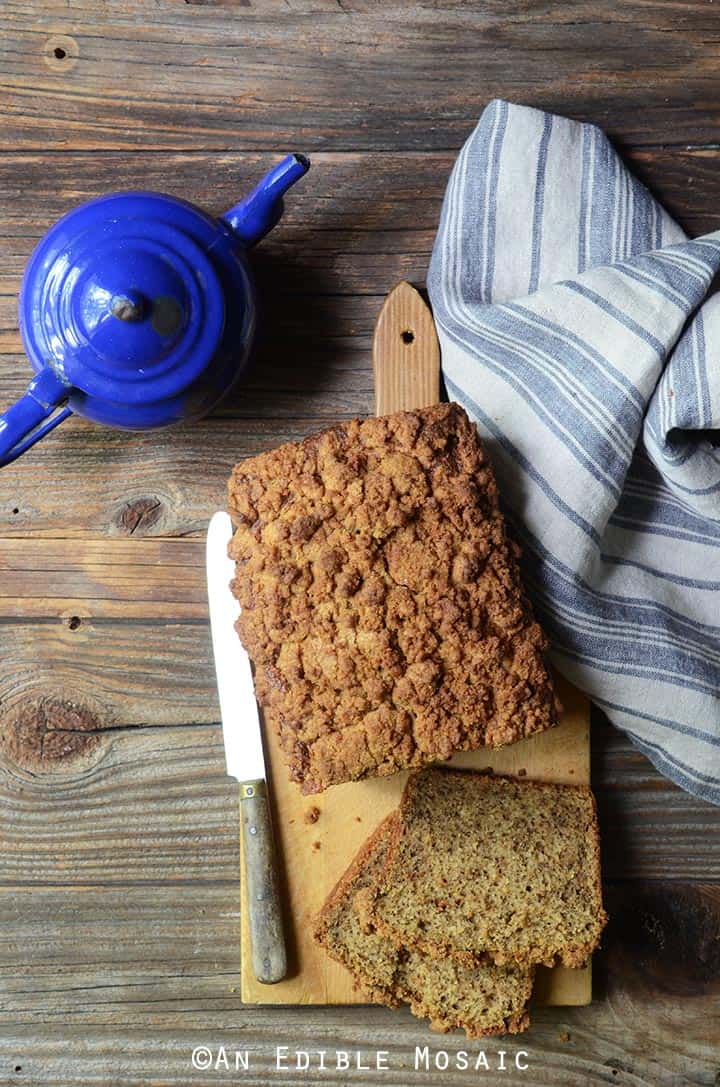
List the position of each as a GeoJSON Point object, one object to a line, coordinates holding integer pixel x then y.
{"type": "Point", "coordinates": [244, 757]}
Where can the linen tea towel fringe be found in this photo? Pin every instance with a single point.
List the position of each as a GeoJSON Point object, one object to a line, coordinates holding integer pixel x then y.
{"type": "Point", "coordinates": [576, 330]}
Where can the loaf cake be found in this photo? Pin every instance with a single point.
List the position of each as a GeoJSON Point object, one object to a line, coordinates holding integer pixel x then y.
{"type": "Point", "coordinates": [381, 602]}
{"type": "Point", "coordinates": [485, 999]}
{"type": "Point", "coordinates": [481, 867]}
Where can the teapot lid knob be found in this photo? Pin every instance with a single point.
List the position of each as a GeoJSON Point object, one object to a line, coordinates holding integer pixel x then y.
{"type": "Point", "coordinates": [129, 306]}
{"type": "Point", "coordinates": [124, 299]}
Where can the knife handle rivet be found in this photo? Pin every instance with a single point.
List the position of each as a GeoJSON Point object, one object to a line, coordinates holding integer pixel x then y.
{"type": "Point", "coordinates": [249, 791]}
{"type": "Point", "coordinates": [253, 830]}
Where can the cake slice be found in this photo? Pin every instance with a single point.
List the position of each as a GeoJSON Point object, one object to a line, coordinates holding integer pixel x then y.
{"type": "Point", "coordinates": [371, 959]}
{"type": "Point", "coordinates": [486, 999]}
{"type": "Point", "coordinates": [481, 867]}
{"type": "Point", "coordinates": [381, 602]}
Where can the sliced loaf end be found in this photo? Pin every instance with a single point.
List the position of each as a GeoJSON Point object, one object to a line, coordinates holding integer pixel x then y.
{"type": "Point", "coordinates": [371, 959]}
{"type": "Point", "coordinates": [489, 867]}
{"type": "Point", "coordinates": [482, 1000]}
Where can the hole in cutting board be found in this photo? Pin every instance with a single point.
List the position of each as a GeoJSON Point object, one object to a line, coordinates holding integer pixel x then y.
{"type": "Point", "coordinates": [407, 336]}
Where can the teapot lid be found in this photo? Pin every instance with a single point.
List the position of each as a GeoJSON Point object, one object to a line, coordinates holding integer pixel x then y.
{"type": "Point", "coordinates": [122, 300]}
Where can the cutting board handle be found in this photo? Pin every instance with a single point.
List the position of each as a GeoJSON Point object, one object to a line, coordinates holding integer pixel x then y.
{"type": "Point", "coordinates": [406, 353]}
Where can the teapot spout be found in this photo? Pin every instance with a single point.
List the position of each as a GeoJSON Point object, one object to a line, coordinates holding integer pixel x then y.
{"type": "Point", "coordinates": [260, 210]}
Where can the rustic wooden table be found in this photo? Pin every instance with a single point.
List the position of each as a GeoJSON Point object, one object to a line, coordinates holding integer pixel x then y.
{"type": "Point", "coordinates": [118, 827]}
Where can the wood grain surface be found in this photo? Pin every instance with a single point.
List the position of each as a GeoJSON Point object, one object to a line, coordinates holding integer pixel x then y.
{"type": "Point", "coordinates": [118, 826]}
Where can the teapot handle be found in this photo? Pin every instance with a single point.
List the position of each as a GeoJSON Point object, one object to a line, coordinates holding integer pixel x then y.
{"type": "Point", "coordinates": [31, 417]}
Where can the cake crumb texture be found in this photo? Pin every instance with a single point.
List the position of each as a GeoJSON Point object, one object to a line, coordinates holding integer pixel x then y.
{"type": "Point", "coordinates": [483, 1000]}
{"type": "Point", "coordinates": [381, 601]}
{"type": "Point", "coordinates": [481, 867]}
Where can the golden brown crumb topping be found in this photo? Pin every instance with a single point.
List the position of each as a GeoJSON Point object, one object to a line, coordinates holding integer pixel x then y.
{"type": "Point", "coordinates": [381, 601]}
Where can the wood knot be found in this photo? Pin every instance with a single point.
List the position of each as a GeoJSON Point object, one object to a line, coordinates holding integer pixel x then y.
{"type": "Point", "coordinates": [40, 734]}
{"type": "Point", "coordinates": [138, 516]}
{"type": "Point", "coordinates": [671, 933]}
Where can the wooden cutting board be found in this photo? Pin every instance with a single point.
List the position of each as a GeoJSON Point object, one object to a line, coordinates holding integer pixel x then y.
{"type": "Point", "coordinates": [318, 836]}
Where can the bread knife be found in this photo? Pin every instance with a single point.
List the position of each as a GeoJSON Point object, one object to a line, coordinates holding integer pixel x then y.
{"type": "Point", "coordinates": [245, 758]}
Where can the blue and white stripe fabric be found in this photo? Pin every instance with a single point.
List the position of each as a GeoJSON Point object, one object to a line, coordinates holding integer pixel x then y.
{"type": "Point", "coordinates": [576, 329]}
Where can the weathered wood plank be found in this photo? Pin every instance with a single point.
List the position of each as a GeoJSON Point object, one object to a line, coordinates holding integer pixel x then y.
{"type": "Point", "coordinates": [101, 579]}
{"type": "Point", "coordinates": [160, 952]}
{"type": "Point", "coordinates": [118, 985]}
{"type": "Point", "coordinates": [266, 75]}
{"type": "Point", "coordinates": [113, 672]}
{"type": "Point", "coordinates": [649, 827]}
{"type": "Point", "coordinates": [85, 479]}
{"type": "Point", "coordinates": [329, 391]}
{"type": "Point", "coordinates": [149, 806]}
{"type": "Point", "coordinates": [125, 1057]}
{"type": "Point", "coordinates": [93, 804]}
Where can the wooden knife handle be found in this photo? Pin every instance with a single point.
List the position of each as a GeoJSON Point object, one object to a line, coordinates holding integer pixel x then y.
{"type": "Point", "coordinates": [263, 897]}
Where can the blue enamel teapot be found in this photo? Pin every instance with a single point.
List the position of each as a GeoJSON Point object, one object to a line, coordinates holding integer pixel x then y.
{"type": "Point", "coordinates": [138, 310]}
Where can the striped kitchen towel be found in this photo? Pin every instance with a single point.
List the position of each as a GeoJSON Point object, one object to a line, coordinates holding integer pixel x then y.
{"type": "Point", "coordinates": [576, 329]}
